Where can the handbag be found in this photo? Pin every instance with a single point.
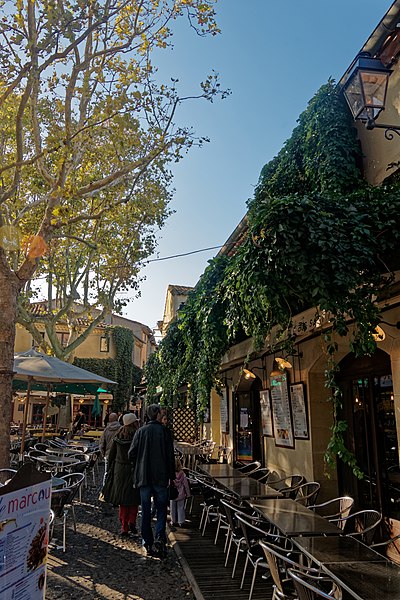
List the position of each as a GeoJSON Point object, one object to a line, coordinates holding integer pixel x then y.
{"type": "Point", "coordinates": [172, 491]}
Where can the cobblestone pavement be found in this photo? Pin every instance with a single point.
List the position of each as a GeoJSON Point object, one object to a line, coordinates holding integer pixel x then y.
{"type": "Point", "coordinates": [99, 565]}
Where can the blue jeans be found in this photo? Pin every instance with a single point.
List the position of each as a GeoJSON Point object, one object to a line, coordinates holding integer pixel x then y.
{"type": "Point", "coordinates": [160, 495]}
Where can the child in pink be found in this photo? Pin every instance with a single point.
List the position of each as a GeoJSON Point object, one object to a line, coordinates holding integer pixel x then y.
{"type": "Point", "coordinates": [177, 507]}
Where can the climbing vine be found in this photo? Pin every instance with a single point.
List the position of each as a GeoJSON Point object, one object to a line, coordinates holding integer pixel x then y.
{"type": "Point", "coordinates": [318, 236]}
{"type": "Point", "coordinates": [120, 369]}
{"type": "Point", "coordinates": [124, 343]}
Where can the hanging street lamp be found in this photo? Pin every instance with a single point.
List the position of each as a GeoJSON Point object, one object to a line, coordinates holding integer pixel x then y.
{"type": "Point", "coordinates": [365, 92]}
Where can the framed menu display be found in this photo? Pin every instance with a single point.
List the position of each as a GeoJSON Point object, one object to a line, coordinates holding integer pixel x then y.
{"type": "Point", "coordinates": [223, 406]}
{"type": "Point", "coordinates": [281, 413]}
{"type": "Point", "coordinates": [299, 411]}
{"type": "Point", "coordinates": [266, 414]}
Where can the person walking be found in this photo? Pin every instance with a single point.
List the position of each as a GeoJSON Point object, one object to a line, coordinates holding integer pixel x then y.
{"type": "Point", "coordinates": [106, 439]}
{"type": "Point", "coordinates": [79, 422]}
{"type": "Point", "coordinates": [153, 463]}
{"type": "Point", "coordinates": [118, 488]}
{"type": "Point", "coordinates": [177, 507]}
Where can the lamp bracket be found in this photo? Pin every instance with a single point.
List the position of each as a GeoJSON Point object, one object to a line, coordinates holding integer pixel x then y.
{"type": "Point", "coordinates": [390, 129]}
{"type": "Point", "coordinates": [397, 324]}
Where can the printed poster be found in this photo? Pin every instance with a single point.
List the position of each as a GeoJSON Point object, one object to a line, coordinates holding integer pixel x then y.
{"type": "Point", "coordinates": [283, 430]}
{"type": "Point", "coordinates": [266, 414]}
{"type": "Point", "coordinates": [223, 404]}
{"type": "Point", "coordinates": [299, 411]}
{"type": "Point", "coordinates": [24, 535]}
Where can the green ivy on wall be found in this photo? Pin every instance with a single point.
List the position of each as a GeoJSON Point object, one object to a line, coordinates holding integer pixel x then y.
{"type": "Point", "coordinates": [120, 369]}
{"type": "Point", "coordinates": [318, 236]}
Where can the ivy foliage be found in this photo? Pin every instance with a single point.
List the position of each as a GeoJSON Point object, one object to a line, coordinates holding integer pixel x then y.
{"type": "Point", "coordinates": [318, 236]}
{"type": "Point", "coordinates": [120, 369]}
{"type": "Point", "coordinates": [192, 349]}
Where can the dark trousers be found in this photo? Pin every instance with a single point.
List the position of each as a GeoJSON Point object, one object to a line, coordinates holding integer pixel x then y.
{"type": "Point", "coordinates": [160, 495]}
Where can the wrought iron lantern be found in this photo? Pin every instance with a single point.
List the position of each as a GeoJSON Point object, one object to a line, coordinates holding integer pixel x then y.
{"type": "Point", "coordinates": [365, 92]}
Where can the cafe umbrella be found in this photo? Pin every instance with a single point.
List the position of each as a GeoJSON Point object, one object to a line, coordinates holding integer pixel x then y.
{"type": "Point", "coordinates": [40, 371]}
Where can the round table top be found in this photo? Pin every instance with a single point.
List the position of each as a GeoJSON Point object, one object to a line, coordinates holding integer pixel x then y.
{"type": "Point", "coordinates": [51, 458]}
{"type": "Point", "coordinates": [187, 448]}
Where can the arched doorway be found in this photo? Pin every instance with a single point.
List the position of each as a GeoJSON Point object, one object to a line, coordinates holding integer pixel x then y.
{"type": "Point", "coordinates": [247, 423]}
{"type": "Point", "coordinates": [368, 408]}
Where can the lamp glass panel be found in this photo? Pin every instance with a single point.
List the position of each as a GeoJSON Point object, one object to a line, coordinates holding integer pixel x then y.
{"type": "Point", "coordinates": [354, 95]}
{"type": "Point", "coordinates": [374, 85]}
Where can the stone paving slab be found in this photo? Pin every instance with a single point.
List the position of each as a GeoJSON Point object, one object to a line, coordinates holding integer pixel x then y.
{"type": "Point", "coordinates": [99, 565]}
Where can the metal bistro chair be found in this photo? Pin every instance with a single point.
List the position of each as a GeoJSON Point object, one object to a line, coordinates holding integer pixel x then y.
{"type": "Point", "coordinates": [255, 529]}
{"type": "Point", "coordinates": [74, 482]}
{"type": "Point", "coordinates": [287, 485]}
{"type": "Point", "coordinates": [361, 525]}
{"type": "Point", "coordinates": [249, 468]}
{"type": "Point", "coordinates": [260, 474]}
{"type": "Point", "coordinates": [6, 475]}
{"type": "Point", "coordinates": [59, 505]}
{"type": "Point", "coordinates": [281, 557]}
{"type": "Point", "coordinates": [79, 467]}
{"type": "Point", "coordinates": [193, 478]}
{"type": "Point", "coordinates": [211, 501]}
{"type": "Point", "coordinates": [307, 493]}
{"type": "Point", "coordinates": [92, 465]}
{"type": "Point", "coordinates": [234, 532]}
{"type": "Point", "coordinates": [308, 587]}
{"type": "Point", "coordinates": [41, 446]}
{"type": "Point", "coordinates": [335, 508]}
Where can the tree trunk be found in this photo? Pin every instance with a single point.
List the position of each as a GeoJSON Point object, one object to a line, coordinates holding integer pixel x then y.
{"type": "Point", "coordinates": [9, 290]}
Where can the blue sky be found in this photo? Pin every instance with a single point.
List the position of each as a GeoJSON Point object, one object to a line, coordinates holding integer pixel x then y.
{"type": "Point", "coordinates": [274, 55]}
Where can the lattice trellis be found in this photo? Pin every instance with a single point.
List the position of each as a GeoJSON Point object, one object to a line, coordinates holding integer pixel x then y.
{"type": "Point", "coordinates": [184, 424]}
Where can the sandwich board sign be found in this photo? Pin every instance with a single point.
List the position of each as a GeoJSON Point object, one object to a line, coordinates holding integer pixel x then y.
{"type": "Point", "coordinates": [24, 534]}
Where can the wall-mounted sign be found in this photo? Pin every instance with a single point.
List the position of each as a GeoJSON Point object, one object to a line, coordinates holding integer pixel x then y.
{"type": "Point", "coordinates": [223, 407]}
{"type": "Point", "coordinates": [281, 414]}
{"type": "Point", "coordinates": [299, 411]}
{"type": "Point", "coordinates": [266, 414]}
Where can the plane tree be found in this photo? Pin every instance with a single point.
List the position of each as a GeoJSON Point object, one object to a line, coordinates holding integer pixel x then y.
{"type": "Point", "coordinates": [88, 132]}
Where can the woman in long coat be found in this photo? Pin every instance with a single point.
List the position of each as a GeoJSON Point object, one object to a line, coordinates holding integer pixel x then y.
{"type": "Point", "coordinates": [118, 488]}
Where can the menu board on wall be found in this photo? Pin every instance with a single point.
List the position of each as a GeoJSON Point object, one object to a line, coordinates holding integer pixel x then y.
{"type": "Point", "coordinates": [223, 407]}
{"type": "Point", "coordinates": [299, 411]}
{"type": "Point", "coordinates": [266, 414]}
{"type": "Point", "coordinates": [282, 418]}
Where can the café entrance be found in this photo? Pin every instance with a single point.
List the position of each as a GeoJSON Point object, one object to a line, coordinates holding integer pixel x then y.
{"type": "Point", "coordinates": [248, 421]}
{"type": "Point", "coordinates": [368, 408]}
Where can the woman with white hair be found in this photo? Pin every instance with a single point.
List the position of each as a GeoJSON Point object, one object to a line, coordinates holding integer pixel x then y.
{"type": "Point", "coordinates": [118, 488]}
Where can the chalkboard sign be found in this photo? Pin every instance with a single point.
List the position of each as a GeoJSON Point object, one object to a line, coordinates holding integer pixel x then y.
{"type": "Point", "coordinates": [299, 411]}
{"type": "Point", "coordinates": [282, 418]}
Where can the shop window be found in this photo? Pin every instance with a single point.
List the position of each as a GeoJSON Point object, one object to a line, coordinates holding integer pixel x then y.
{"type": "Point", "coordinates": [63, 338]}
{"type": "Point", "coordinates": [35, 345]}
{"type": "Point", "coordinates": [104, 343]}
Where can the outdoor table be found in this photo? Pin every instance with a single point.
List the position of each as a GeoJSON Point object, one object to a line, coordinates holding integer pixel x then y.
{"type": "Point", "coordinates": [59, 462]}
{"type": "Point", "coordinates": [63, 450]}
{"type": "Point", "coordinates": [91, 434]}
{"type": "Point", "coordinates": [246, 488]}
{"type": "Point", "coordinates": [335, 549]}
{"type": "Point", "coordinates": [294, 519]}
{"type": "Point", "coordinates": [190, 451]}
{"type": "Point", "coordinates": [220, 470]}
{"type": "Point", "coordinates": [366, 580]}
{"type": "Point", "coordinates": [57, 483]}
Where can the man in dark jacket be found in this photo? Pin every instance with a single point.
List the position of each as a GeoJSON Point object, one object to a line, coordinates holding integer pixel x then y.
{"type": "Point", "coordinates": [152, 457]}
